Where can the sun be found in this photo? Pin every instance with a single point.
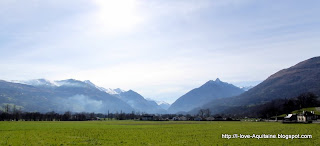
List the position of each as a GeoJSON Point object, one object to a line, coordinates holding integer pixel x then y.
{"type": "Point", "coordinates": [117, 15]}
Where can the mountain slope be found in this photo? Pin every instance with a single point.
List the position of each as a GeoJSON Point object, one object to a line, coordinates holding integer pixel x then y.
{"type": "Point", "coordinates": [66, 95]}
{"type": "Point", "coordinates": [139, 103]}
{"type": "Point", "coordinates": [287, 83]}
{"type": "Point", "coordinates": [207, 92]}
{"type": "Point", "coordinates": [25, 97]}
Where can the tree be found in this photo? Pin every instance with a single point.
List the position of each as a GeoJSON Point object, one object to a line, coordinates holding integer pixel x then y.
{"type": "Point", "coordinates": [207, 112]}
{"type": "Point", "coordinates": [201, 113]}
{"type": "Point", "coordinates": [7, 108]}
{"type": "Point", "coordinates": [307, 100]}
{"type": "Point", "coordinates": [66, 116]}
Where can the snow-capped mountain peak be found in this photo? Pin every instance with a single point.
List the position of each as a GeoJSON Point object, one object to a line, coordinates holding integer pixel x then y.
{"type": "Point", "coordinates": [107, 90]}
{"type": "Point", "coordinates": [37, 82]}
{"type": "Point", "coordinates": [118, 90]}
{"type": "Point", "coordinates": [158, 102]}
{"type": "Point", "coordinates": [111, 91]}
{"type": "Point", "coordinates": [162, 104]}
{"type": "Point", "coordinates": [246, 88]}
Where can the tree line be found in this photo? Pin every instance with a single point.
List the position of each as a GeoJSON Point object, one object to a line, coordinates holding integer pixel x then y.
{"type": "Point", "coordinates": [275, 107]}
{"type": "Point", "coordinates": [17, 115]}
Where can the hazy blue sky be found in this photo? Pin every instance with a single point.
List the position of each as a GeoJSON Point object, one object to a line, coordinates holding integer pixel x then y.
{"type": "Point", "coordinates": [159, 48]}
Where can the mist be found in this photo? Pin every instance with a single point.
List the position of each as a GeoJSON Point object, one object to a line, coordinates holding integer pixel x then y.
{"type": "Point", "coordinates": [81, 103]}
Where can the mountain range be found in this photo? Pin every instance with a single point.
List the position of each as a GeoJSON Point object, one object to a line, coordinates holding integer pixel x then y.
{"type": "Point", "coordinates": [83, 96]}
{"type": "Point", "coordinates": [287, 83]}
{"type": "Point", "coordinates": [72, 95]}
{"type": "Point", "coordinates": [60, 96]}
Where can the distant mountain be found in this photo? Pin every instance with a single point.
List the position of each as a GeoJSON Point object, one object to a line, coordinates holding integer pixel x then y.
{"type": "Point", "coordinates": [64, 95]}
{"type": "Point", "coordinates": [139, 103]}
{"type": "Point", "coordinates": [287, 83]}
{"type": "Point", "coordinates": [204, 94]}
{"type": "Point", "coordinates": [162, 104]}
{"type": "Point", "coordinates": [165, 105]}
{"type": "Point", "coordinates": [246, 88]}
{"type": "Point", "coordinates": [134, 99]}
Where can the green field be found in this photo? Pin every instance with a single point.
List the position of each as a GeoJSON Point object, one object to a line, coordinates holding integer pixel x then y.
{"type": "Point", "coordinates": [150, 133]}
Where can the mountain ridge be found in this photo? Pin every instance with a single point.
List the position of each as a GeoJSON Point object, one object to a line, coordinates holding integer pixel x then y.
{"type": "Point", "coordinates": [70, 95]}
{"type": "Point", "coordinates": [300, 78]}
{"type": "Point", "coordinates": [203, 94]}
{"type": "Point", "coordinates": [70, 91]}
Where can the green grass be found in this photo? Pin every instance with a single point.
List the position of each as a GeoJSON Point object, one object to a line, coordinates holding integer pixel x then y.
{"type": "Point", "coordinates": [283, 115]}
{"type": "Point", "coordinates": [150, 133]}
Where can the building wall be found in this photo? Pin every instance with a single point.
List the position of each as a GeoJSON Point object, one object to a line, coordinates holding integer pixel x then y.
{"type": "Point", "coordinates": [301, 118]}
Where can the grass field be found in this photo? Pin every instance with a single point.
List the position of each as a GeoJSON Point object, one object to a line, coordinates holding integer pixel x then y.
{"type": "Point", "coordinates": [151, 133]}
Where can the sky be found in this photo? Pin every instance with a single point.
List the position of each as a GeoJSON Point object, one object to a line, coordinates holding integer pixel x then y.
{"type": "Point", "coordinates": [160, 49]}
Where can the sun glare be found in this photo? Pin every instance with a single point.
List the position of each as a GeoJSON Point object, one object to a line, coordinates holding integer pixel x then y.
{"type": "Point", "coordinates": [117, 15]}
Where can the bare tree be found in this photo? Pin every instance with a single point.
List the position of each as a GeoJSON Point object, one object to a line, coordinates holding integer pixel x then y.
{"type": "Point", "coordinates": [207, 112]}
{"type": "Point", "coordinates": [7, 108]}
{"type": "Point", "coordinates": [201, 113]}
